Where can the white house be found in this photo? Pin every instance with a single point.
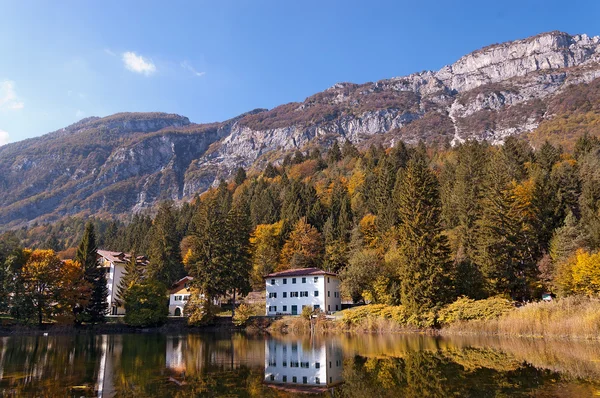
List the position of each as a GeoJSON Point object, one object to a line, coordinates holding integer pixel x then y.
{"type": "Point", "coordinates": [114, 264]}
{"type": "Point", "coordinates": [179, 296]}
{"type": "Point", "coordinates": [297, 367]}
{"type": "Point", "coordinates": [291, 290]}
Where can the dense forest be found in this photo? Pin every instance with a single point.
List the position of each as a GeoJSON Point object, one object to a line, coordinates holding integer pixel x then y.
{"type": "Point", "coordinates": [415, 226]}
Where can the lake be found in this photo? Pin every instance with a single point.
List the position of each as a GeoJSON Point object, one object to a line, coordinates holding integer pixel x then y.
{"type": "Point", "coordinates": [212, 364]}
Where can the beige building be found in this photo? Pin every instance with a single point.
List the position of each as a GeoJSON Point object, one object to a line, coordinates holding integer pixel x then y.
{"type": "Point", "coordinates": [179, 296]}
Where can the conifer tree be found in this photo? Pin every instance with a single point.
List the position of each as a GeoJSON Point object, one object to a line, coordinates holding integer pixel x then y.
{"type": "Point", "coordinates": [239, 263]}
{"type": "Point", "coordinates": [131, 276]}
{"type": "Point", "coordinates": [424, 266]}
{"type": "Point", "coordinates": [505, 253]}
{"type": "Point", "coordinates": [240, 176]}
{"type": "Point", "coordinates": [87, 256]}
{"type": "Point", "coordinates": [163, 251]}
{"type": "Point", "coordinates": [335, 154]}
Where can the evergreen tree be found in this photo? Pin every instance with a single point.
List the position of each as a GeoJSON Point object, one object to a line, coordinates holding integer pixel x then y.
{"type": "Point", "coordinates": [240, 176]}
{"type": "Point", "coordinates": [505, 253]}
{"type": "Point", "coordinates": [132, 275]}
{"type": "Point", "coordinates": [424, 267]}
{"type": "Point", "coordinates": [335, 154]}
{"type": "Point", "coordinates": [349, 151]}
{"type": "Point", "coordinates": [87, 256]}
{"type": "Point", "coordinates": [207, 259]}
{"type": "Point", "coordinates": [163, 251]}
{"type": "Point", "coordinates": [239, 263]}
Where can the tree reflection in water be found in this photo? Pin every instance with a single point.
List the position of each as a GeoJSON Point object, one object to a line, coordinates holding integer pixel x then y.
{"type": "Point", "coordinates": [154, 365]}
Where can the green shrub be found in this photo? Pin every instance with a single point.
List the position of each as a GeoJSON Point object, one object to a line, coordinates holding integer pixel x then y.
{"type": "Point", "coordinates": [146, 305]}
{"type": "Point", "coordinates": [466, 309]}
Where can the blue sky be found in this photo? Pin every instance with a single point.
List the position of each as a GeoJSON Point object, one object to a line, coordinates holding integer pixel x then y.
{"type": "Point", "coordinates": [61, 61]}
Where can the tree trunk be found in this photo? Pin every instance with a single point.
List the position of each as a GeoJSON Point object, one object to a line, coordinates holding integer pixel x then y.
{"type": "Point", "coordinates": [233, 308]}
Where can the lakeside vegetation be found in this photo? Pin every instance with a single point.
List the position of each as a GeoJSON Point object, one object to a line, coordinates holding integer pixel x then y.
{"type": "Point", "coordinates": [426, 232]}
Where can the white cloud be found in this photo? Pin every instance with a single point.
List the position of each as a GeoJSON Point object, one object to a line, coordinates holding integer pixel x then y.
{"type": "Point", "coordinates": [186, 65]}
{"type": "Point", "coordinates": [3, 137]}
{"type": "Point", "coordinates": [8, 96]}
{"type": "Point", "coordinates": [138, 64]}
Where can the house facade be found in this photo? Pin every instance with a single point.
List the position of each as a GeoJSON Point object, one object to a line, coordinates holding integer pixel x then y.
{"type": "Point", "coordinates": [291, 290]}
{"type": "Point", "coordinates": [114, 266]}
{"type": "Point", "coordinates": [179, 296]}
{"type": "Point", "coordinates": [294, 366]}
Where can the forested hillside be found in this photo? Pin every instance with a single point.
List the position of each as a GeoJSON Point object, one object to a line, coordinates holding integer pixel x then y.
{"type": "Point", "coordinates": [410, 224]}
{"type": "Point", "coordinates": [540, 88]}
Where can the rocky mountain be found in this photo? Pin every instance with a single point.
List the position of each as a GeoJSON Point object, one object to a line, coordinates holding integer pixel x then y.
{"type": "Point", "coordinates": [545, 87]}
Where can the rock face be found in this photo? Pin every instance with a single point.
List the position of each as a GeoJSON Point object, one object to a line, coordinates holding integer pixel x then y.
{"type": "Point", "coordinates": [129, 161]}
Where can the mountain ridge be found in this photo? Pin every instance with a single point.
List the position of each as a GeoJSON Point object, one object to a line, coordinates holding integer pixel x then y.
{"type": "Point", "coordinates": [127, 162]}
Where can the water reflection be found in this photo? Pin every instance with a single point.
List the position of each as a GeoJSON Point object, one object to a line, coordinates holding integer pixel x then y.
{"type": "Point", "coordinates": [154, 365]}
{"type": "Point", "coordinates": [303, 365]}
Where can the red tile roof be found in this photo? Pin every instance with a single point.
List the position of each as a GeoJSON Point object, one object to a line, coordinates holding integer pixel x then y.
{"type": "Point", "coordinates": [300, 272]}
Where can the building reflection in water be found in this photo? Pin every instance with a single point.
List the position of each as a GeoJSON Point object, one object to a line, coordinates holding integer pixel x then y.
{"type": "Point", "coordinates": [302, 365]}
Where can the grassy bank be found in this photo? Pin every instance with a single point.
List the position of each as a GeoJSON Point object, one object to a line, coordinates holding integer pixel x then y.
{"type": "Point", "coordinates": [570, 318]}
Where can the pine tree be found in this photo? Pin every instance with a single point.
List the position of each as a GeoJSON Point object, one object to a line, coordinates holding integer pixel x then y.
{"type": "Point", "coordinates": [424, 267]}
{"type": "Point", "coordinates": [505, 252]}
{"type": "Point", "coordinates": [207, 259]}
{"type": "Point", "coordinates": [163, 251]}
{"type": "Point", "coordinates": [240, 176]}
{"type": "Point", "coordinates": [87, 255]}
{"type": "Point", "coordinates": [239, 263]}
{"type": "Point", "coordinates": [131, 276]}
{"type": "Point", "coordinates": [335, 154]}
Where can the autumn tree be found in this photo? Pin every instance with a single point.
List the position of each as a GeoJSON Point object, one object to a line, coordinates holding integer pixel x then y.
{"type": "Point", "coordinates": [303, 248]}
{"type": "Point", "coordinates": [41, 278]}
{"type": "Point", "coordinates": [265, 251]}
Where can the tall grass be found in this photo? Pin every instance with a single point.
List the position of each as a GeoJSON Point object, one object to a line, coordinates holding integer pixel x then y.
{"type": "Point", "coordinates": [571, 317]}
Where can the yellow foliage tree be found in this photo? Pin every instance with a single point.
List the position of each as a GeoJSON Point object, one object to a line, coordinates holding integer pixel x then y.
{"type": "Point", "coordinates": [41, 280]}
{"type": "Point", "coordinates": [303, 249]}
{"type": "Point", "coordinates": [586, 273]}
{"type": "Point", "coordinates": [265, 251]}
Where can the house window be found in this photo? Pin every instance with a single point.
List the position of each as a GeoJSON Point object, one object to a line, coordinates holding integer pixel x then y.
{"type": "Point", "coordinates": [303, 294]}
{"type": "Point", "coordinates": [316, 293]}
{"type": "Point", "coordinates": [284, 308]}
{"type": "Point", "coordinates": [285, 364]}
{"type": "Point", "coordinates": [317, 380]}
{"type": "Point", "coordinates": [186, 297]}
{"type": "Point", "coordinates": [316, 279]}
{"type": "Point", "coordinates": [303, 280]}
{"type": "Point", "coordinates": [272, 377]}
{"type": "Point", "coordinates": [285, 281]}
{"type": "Point", "coordinates": [284, 379]}
{"type": "Point", "coordinates": [284, 294]}
{"type": "Point", "coordinates": [295, 347]}
{"type": "Point", "coordinates": [293, 280]}
{"type": "Point", "coordinates": [294, 364]}
{"type": "Point", "coordinates": [304, 380]}
{"type": "Point", "coordinates": [327, 279]}
{"type": "Point", "coordinates": [273, 282]}
{"type": "Point", "coordinates": [304, 365]}
{"type": "Point", "coordinates": [317, 365]}
{"type": "Point", "coordinates": [336, 307]}
{"type": "Point", "coordinates": [328, 307]}
{"type": "Point", "coordinates": [272, 362]}
{"type": "Point", "coordinates": [272, 308]}
{"type": "Point", "coordinates": [293, 294]}
{"type": "Point", "coordinates": [316, 306]}
{"type": "Point", "coordinates": [328, 293]}
{"type": "Point", "coordinates": [294, 379]}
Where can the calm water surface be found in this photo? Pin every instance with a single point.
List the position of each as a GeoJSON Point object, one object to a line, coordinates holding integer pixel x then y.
{"type": "Point", "coordinates": [152, 365]}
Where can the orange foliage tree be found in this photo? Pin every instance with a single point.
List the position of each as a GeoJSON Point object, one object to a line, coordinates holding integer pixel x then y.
{"type": "Point", "coordinates": [303, 248]}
